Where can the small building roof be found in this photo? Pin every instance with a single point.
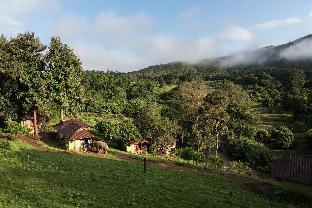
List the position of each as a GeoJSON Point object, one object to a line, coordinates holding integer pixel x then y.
{"type": "Point", "coordinates": [73, 129]}
{"type": "Point", "coordinates": [82, 134]}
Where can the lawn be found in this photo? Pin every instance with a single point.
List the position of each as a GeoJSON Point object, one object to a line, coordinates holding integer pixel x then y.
{"type": "Point", "coordinates": [29, 178]}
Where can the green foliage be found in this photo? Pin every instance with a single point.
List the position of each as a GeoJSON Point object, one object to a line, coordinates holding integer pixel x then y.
{"type": "Point", "coordinates": [249, 151]}
{"type": "Point", "coordinates": [101, 106]}
{"type": "Point", "coordinates": [142, 89]}
{"type": "Point", "coordinates": [263, 136]}
{"type": "Point", "coordinates": [239, 167]}
{"type": "Point", "coordinates": [217, 161]}
{"type": "Point", "coordinates": [64, 74]}
{"type": "Point", "coordinates": [282, 137]}
{"type": "Point", "coordinates": [190, 154]}
{"type": "Point", "coordinates": [4, 144]}
{"type": "Point", "coordinates": [118, 133]}
{"type": "Point", "coordinates": [13, 127]}
{"type": "Point", "coordinates": [21, 74]}
{"type": "Point", "coordinates": [243, 128]}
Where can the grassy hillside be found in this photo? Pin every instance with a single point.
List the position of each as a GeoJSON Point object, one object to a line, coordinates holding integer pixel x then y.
{"type": "Point", "coordinates": [50, 179]}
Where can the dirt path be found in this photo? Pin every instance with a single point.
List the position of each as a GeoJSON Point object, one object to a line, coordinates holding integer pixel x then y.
{"type": "Point", "coordinates": [32, 142]}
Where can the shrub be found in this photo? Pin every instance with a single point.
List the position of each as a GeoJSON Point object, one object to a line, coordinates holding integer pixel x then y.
{"type": "Point", "coordinates": [186, 153]}
{"type": "Point", "coordinates": [244, 129]}
{"type": "Point", "coordinates": [282, 137]}
{"type": "Point", "coordinates": [189, 153]}
{"type": "Point", "coordinates": [119, 133]}
{"type": "Point", "coordinates": [13, 127]}
{"type": "Point", "coordinates": [263, 136]}
{"type": "Point", "coordinates": [250, 151]}
{"type": "Point", "coordinates": [4, 144]}
{"type": "Point", "coordinates": [199, 157]}
{"type": "Point", "coordinates": [217, 161]}
{"type": "Point", "coordinates": [239, 167]}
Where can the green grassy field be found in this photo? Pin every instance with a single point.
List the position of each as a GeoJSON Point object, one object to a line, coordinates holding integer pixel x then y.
{"type": "Point", "coordinates": [56, 179]}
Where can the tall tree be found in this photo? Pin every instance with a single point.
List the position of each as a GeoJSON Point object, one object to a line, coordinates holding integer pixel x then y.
{"type": "Point", "coordinates": [64, 72]}
{"type": "Point", "coordinates": [212, 122]}
{"type": "Point", "coordinates": [8, 86]}
{"type": "Point", "coordinates": [220, 109]}
{"type": "Point", "coordinates": [22, 64]}
{"type": "Point", "coordinates": [187, 100]}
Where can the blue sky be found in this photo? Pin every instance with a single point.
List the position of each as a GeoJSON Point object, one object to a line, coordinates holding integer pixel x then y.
{"type": "Point", "coordinates": [127, 35]}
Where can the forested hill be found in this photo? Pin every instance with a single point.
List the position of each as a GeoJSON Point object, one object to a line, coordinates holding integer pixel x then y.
{"type": "Point", "coordinates": [295, 54]}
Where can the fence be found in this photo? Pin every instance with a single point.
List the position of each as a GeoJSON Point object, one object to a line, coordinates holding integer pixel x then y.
{"type": "Point", "coordinates": [295, 168]}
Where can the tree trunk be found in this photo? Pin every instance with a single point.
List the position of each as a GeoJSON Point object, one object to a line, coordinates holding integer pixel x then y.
{"type": "Point", "coordinates": [35, 125]}
{"type": "Point", "coordinates": [62, 114]}
{"type": "Point", "coordinates": [217, 146]}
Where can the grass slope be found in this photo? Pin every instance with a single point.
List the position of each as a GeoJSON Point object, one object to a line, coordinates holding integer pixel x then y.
{"type": "Point", "coordinates": [51, 179]}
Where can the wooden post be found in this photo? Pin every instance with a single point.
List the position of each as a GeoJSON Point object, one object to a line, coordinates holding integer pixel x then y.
{"type": "Point", "coordinates": [35, 125]}
{"type": "Point", "coordinates": [144, 165]}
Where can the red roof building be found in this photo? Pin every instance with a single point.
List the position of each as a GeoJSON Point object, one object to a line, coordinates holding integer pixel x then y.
{"type": "Point", "coordinates": [75, 134]}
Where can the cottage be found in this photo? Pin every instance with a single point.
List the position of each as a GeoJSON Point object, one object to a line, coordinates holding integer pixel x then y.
{"type": "Point", "coordinates": [137, 147]}
{"type": "Point", "coordinates": [27, 120]}
{"type": "Point", "coordinates": [75, 135]}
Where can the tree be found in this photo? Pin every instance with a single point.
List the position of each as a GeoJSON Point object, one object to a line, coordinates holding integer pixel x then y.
{"type": "Point", "coordinates": [212, 122]}
{"type": "Point", "coordinates": [8, 88]}
{"type": "Point", "coordinates": [64, 73]}
{"type": "Point", "coordinates": [21, 68]}
{"type": "Point", "coordinates": [221, 109]}
{"type": "Point", "coordinates": [148, 119]}
{"type": "Point", "coordinates": [282, 137]}
{"type": "Point", "coordinates": [189, 97]}
{"type": "Point", "coordinates": [187, 100]}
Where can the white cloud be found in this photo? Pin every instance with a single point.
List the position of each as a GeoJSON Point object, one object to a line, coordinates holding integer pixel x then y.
{"type": "Point", "coordinates": [20, 5]}
{"type": "Point", "coordinates": [10, 25]}
{"type": "Point", "coordinates": [108, 28]}
{"type": "Point", "coordinates": [13, 13]}
{"type": "Point", "coordinates": [153, 50]}
{"type": "Point", "coordinates": [278, 23]}
{"type": "Point", "coordinates": [166, 48]}
{"type": "Point", "coordinates": [238, 33]}
{"type": "Point", "coordinates": [193, 12]}
{"type": "Point", "coordinates": [124, 43]}
{"type": "Point", "coordinates": [301, 50]}
{"type": "Point", "coordinates": [98, 58]}
{"type": "Point", "coordinates": [120, 29]}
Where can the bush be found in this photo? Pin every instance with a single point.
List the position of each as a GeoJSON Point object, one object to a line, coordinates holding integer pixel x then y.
{"type": "Point", "coordinates": [244, 129]}
{"type": "Point", "coordinates": [239, 167]}
{"type": "Point", "coordinates": [13, 127]}
{"type": "Point", "coordinates": [250, 151]}
{"type": "Point", "coordinates": [119, 133]}
{"type": "Point", "coordinates": [189, 153]}
{"type": "Point", "coordinates": [217, 161]}
{"type": "Point", "coordinates": [4, 144]}
{"type": "Point", "coordinates": [282, 137]}
{"type": "Point", "coordinates": [263, 136]}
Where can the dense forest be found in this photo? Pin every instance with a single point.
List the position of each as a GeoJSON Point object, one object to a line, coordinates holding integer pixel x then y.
{"type": "Point", "coordinates": [205, 109]}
